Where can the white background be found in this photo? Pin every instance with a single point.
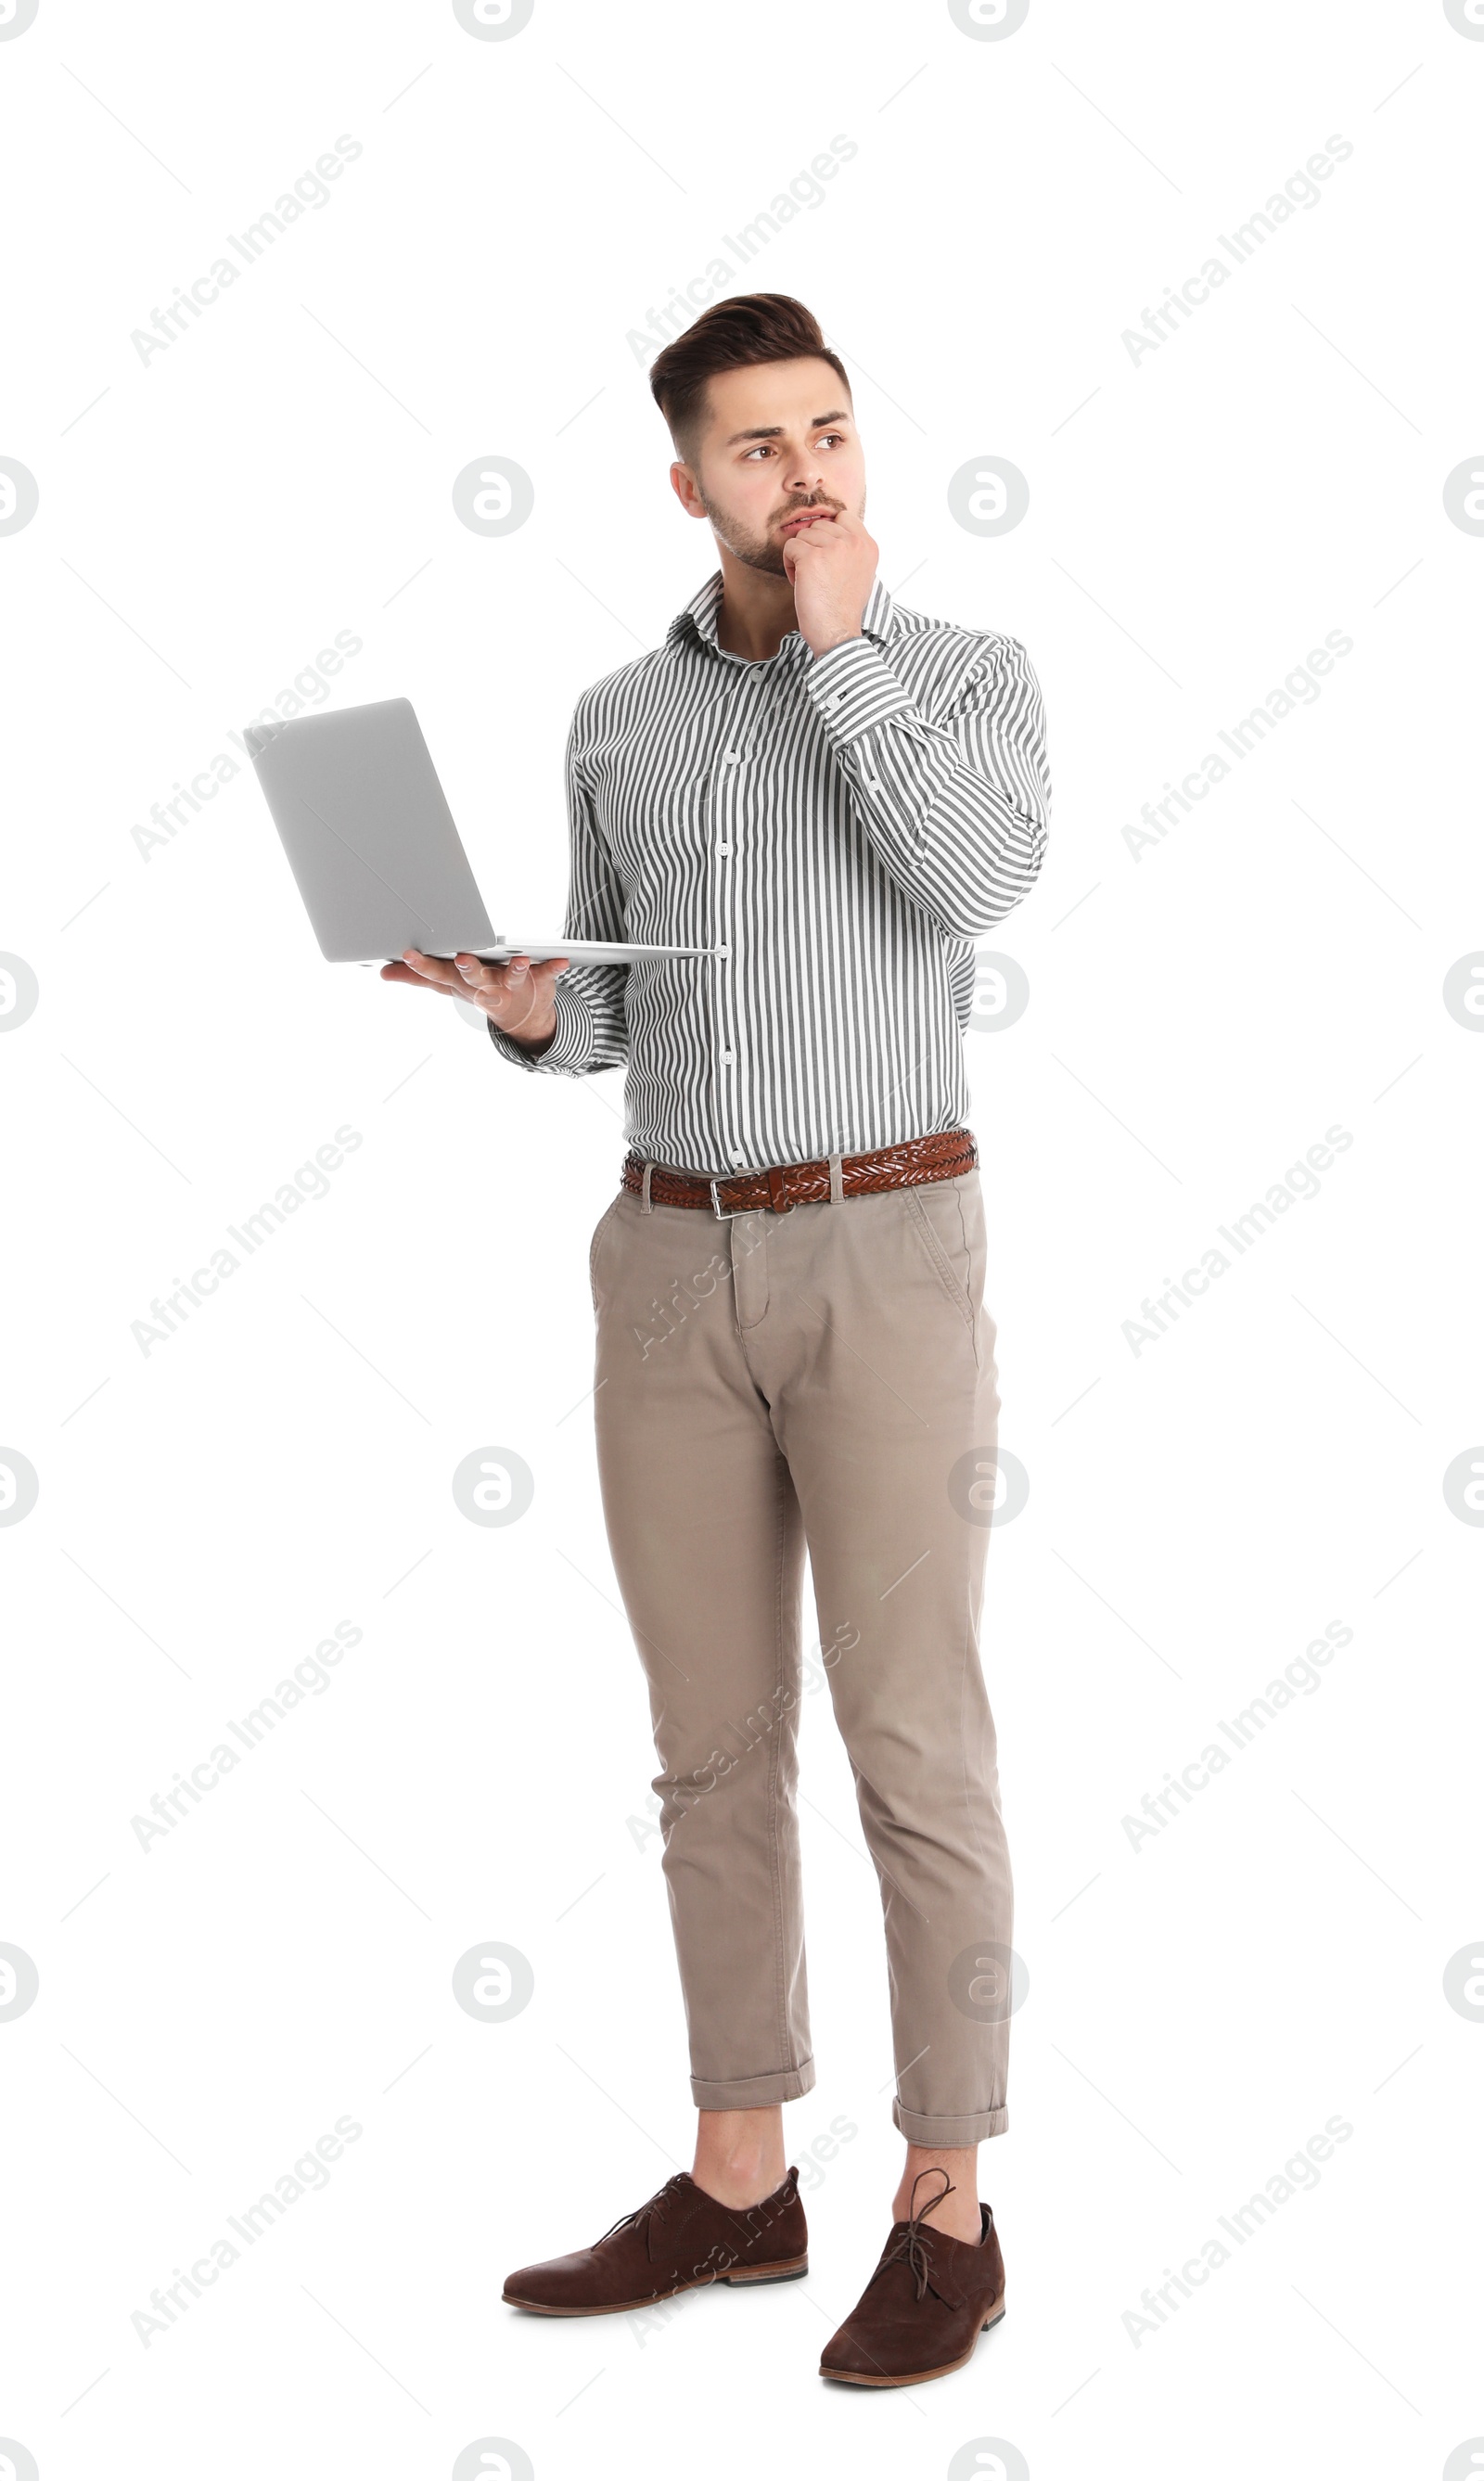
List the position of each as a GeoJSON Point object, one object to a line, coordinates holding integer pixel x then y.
{"type": "Point", "coordinates": [1199, 1016]}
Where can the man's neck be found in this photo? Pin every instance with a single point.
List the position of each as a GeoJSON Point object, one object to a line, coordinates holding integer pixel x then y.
{"type": "Point", "coordinates": [756, 612]}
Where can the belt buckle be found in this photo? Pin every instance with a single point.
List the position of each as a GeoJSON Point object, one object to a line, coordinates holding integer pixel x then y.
{"type": "Point", "coordinates": [723, 1215]}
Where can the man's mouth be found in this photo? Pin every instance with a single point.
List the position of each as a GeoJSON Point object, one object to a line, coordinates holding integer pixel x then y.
{"type": "Point", "coordinates": [805, 517]}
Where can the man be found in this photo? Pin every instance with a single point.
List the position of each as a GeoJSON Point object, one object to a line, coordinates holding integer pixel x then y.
{"type": "Point", "coordinates": [833, 796]}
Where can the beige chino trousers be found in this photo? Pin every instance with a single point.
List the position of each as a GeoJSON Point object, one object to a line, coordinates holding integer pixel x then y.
{"type": "Point", "coordinates": [823, 1377]}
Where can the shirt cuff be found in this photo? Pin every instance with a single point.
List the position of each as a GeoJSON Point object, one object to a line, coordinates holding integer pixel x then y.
{"type": "Point", "coordinates": [571, 1044]}
{"type": "Point", "coordinates": [854, 687]}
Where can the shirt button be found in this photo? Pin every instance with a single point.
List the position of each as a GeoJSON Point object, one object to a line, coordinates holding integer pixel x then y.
{"type": "Point", "coordinates": [727, 1057]}
{"type": "Point", "coordinates": [731, 757]}
{"type": "Point", "coordinates": [737, 1155]}
{"type": "Point", "coordinates": [724, 849]}
{"type": "Point", "coordinates": [723, 952]}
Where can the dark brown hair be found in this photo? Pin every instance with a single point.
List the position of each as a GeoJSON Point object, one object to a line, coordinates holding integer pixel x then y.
{"type": "Point", "coordinates": [732, 335]}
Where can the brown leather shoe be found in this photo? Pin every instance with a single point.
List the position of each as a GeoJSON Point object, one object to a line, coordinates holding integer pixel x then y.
{"type": "Point", "coordinates": [926, 2306]}
{"type": "Point", "coordinates": [679, 2240]}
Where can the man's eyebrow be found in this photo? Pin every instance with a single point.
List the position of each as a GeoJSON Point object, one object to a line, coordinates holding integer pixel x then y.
{"type": "Point", "coordinates": [774, 430]}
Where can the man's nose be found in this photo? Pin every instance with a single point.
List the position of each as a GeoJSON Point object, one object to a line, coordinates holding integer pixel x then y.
{"type": "Point", "coordinates": [804, 479]}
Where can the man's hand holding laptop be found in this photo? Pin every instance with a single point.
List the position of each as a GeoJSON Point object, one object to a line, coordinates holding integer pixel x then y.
{"type": "Point", "coordinates": [517, 997]}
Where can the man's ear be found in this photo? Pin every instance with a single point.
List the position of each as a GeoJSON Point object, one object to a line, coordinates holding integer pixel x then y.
{"type": "Point", "coordinates": [683, 484]}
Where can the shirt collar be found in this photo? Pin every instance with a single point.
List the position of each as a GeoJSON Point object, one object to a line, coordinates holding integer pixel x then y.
{"type": "Point", "coordinates": [698, 618]}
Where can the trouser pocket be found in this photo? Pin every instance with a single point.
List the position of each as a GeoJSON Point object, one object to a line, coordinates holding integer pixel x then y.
{"type": "Point", "coordinates": [596, 1244]}
{"type": "Point", "coordinates": [939, 1226]}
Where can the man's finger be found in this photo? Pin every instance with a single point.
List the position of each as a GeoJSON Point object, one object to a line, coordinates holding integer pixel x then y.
{"type": "Point", "coordinates": [399, 972]}
{"type": "Point", "coordinates": [436, 970]}
{"type": "Point", "coordinates": [474, 969]}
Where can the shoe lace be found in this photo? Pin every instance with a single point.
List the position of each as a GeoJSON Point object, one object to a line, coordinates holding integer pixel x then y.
{"type": "Point", "coordinates": [913, 2238]}
{"type": "Point", "coordinates": [652, 2205]}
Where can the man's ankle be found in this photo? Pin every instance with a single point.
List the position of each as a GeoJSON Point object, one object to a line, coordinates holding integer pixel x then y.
{"type": "Point", "coordinates": [958, 2222]}
{"type": "Point", "coordinates": [739, 2155]}
{"type": "Point", "coordinates": [738, 2183]}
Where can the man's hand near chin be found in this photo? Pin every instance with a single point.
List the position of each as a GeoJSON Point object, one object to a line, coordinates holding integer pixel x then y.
{"type": "Point", "coordinates": [831, 563]}
{"type": "Point", "coordinates": [515, 996]}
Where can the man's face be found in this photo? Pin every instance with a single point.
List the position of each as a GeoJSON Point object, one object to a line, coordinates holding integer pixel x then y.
{"type": "Point", "coordinates": [780, 439]}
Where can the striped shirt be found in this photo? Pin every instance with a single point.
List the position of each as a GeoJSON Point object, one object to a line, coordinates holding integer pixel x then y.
{"type": "Point", "coordinates": [837, 829]}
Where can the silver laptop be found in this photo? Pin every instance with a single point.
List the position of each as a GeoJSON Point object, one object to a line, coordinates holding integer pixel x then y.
{"type": "Point", "coordinates": [373, 846]}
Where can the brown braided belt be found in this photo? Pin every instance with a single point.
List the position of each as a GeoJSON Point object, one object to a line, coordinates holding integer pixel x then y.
{"type": "Point", "coordinates": [943, 1157]}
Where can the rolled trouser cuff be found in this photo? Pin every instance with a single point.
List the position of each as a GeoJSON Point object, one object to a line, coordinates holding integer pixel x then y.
{"type": "Point", "coordinates": [754, 2093]}
{"type": "Point", "coordinates": [969, 2127]}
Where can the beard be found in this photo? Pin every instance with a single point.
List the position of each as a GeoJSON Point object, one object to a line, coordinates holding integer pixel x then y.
{"type": "Point", "coordinates": [758, 550]}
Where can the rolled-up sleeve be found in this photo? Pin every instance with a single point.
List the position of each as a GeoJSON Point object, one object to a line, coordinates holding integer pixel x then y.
{"type": "Point", "coordinates": [593, 1029]}
{"type": "Point", "coordinates": [956, 806]}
